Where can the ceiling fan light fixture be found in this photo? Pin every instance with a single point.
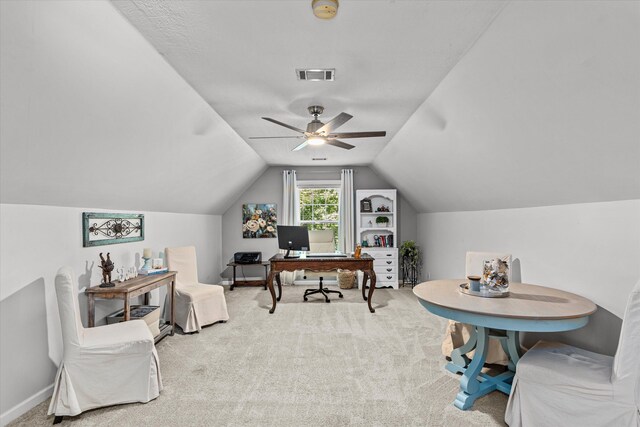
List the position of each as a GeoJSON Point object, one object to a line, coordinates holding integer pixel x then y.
{"type": "Point", "coordinates": [315, 141]}
{"type": "Point", "coordinates": [325, 9]}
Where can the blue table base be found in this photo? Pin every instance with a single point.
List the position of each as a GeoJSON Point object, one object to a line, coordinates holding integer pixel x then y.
{"type": "Point", "coordinates": [474, 383]}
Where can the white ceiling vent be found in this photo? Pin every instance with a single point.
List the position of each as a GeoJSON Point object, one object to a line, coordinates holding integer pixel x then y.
{"type": "Point", "coordinates": [316, 75]}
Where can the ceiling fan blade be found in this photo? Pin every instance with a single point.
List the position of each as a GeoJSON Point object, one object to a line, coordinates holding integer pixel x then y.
{"type": "Point", "coordinates": [274, 137]}
{"type": "Point", "coordinates": [283, 124]}
{"type": "Point", "coordinates": [301, 146]}
{"type": "Point", "coordinates": [340, 144]}
{"type": "Point", "coordinates": [357, 134]}
{"type": "Point", "coordinates": [335, 123]}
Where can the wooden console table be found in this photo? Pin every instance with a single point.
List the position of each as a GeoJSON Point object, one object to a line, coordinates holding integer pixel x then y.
{"type": "Point", "coordinates": [140, 285]}
{"type": "Point", "coordinates": [235, 282]}
{"type": "Point", "coordinates": [316, 264]}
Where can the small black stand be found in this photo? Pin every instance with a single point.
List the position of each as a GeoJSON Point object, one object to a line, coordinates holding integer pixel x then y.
{"type": "Point", "coordinates": [107, 285]}
{"type": "Point", "coordinates": [409, 273]}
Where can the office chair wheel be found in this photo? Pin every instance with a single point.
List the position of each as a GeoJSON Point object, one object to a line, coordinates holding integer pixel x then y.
{"type": "Point", "coordinates": [327, 300]}
{"type": "Point", "coordinates": [341, 296]}
{"type": "Point", "coordinates": [306, 299]}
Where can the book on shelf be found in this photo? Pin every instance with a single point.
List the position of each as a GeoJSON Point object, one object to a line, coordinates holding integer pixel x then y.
{"type": "Point", "coordinates": [144, 272]}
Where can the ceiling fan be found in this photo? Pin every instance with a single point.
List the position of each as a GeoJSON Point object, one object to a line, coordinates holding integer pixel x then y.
{"type": "Point", "coordinates": [319, 133]}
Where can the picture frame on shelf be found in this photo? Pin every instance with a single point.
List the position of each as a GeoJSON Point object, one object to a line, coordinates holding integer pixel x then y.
{"type": "Point", "coordinates": [365, 206]}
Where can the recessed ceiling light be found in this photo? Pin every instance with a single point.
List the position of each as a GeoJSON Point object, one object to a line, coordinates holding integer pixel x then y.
{"type": "Point", "coordinates": [325, 9]}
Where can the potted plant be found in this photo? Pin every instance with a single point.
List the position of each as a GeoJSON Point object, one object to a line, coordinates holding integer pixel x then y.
{"type": "Point", "coordinates": [410, 253]}
{"type": "Point", "coordinates": [382, 220]}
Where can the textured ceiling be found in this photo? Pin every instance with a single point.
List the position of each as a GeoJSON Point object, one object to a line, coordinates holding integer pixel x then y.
{"type": "Point", "coordinates": [241, 57]}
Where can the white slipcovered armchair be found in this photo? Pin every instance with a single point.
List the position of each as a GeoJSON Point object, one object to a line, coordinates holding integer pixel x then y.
{"type": "Point", "coordinates": [458, 333]}
{"type": "Point", "coordinates": [197, 304]}
{"type": "Point", "coordinates": [104, 365]}
{"type": "Point", "coordinates": [560, 385]}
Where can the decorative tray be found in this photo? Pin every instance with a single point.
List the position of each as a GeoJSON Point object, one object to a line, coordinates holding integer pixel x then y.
{"type": "Point", "coordinates": [464, 288]}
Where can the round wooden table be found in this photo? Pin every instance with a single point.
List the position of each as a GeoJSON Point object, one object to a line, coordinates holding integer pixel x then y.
{"type": "Point", "coordinates": [528, 308]}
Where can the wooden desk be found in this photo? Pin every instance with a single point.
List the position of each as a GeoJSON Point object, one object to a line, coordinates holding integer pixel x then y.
{"type": "Point", "coordinates": [279, 264]}
{"type": "Point", "coordinates": [140, 285]}
{"type": "Point", "coordinates": [529, 308]}
{"type": "Point", "coordinates": [249, 282]}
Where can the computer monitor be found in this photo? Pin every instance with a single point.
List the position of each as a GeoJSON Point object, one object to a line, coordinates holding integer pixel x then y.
{"type": "Point", "coordinates": [293, 238]}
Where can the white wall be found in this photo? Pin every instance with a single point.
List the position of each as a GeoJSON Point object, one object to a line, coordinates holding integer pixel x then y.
{"type": "Point", "coordinates": [590, 249]}
{"type": "Point", "coordinates": [268, 189]}
{"type": "Point", "coordinates": [92, 115]}
{"type": "Point", "coordinates": [543, 110]}
{"type": "Point", "coordinates": [36, 241]}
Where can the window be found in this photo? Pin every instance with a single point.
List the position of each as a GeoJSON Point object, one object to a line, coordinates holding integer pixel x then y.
{"type": "Point", "coordinates": [319, 206]}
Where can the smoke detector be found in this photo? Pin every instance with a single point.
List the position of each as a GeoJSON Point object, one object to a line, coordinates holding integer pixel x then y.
{"type": "Point", "coordinates": [325, 9]}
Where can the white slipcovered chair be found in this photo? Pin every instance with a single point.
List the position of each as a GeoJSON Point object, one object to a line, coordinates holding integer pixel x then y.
{"type": "Point", "coordinates": [197, 304]}
{"type": "Point", "coordinates": [458, 333]}
{"type": "Point", "coordinates": [320, 241]}
{"type": "Point", "coordinates": [560, 385]}
{"type": "Point", "coordinates": [104, 365]}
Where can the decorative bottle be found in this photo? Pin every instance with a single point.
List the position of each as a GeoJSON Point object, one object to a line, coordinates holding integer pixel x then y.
{"type": "Point", "coordinates": [358, 251]}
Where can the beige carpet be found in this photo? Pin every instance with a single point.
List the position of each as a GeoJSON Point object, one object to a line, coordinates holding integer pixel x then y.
{"type": "Point", "coordinates": [308, 364]}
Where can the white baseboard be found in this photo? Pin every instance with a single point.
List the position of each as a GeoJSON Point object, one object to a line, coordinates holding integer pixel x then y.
{"type": "Point", "coordinates": [26, 405]}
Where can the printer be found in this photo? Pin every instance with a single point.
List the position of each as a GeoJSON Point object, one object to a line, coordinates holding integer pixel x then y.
{"type": "Point", "coordinates": [247, 257]}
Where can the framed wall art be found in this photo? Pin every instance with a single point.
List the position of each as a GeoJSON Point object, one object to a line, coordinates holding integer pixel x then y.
{"type": "Point", "coordinates": [259, 220]}
{"type": "Point", "coordinates": [101, 228]}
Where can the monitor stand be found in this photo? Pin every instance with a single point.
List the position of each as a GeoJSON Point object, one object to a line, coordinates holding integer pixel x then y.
{"type": "Point", "coordinates": [290, 256]}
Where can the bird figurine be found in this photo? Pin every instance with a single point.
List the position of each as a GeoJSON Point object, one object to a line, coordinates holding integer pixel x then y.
{"type": "Point", "coordinates": [107, 267]}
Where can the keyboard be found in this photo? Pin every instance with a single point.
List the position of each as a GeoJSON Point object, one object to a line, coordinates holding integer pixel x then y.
{"type": "Point", "coordinates": [326, 255]}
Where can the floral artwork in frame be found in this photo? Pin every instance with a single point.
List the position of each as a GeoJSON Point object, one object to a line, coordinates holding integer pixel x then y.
{"type": "Point", "coordinates": [259, 220]}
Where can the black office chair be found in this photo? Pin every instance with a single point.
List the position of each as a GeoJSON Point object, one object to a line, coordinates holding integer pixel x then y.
{"type": "Point", "coordinates": [320, 241]}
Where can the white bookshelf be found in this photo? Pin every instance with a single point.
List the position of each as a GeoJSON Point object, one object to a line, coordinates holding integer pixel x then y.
{"type": "Point", "coordinates": [384, 252]}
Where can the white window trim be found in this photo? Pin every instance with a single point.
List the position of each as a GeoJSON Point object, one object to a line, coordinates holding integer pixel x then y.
{"type": "Point", "coordinates": [328, 183]}
{"type": "Point", "coordinates": [325, 183]}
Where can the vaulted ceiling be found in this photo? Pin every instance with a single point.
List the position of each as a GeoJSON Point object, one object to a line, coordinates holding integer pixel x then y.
{"type": "Point", "coordinates": [241, 57]}
{"type": "Point", "coordinates": [486, 105]}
